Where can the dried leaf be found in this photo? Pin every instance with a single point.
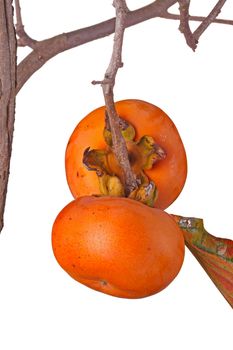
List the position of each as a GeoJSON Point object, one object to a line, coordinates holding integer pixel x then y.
{"type": "Point", "coordinates": [214, 254]}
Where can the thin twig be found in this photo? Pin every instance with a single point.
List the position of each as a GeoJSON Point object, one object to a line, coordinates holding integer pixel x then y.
{"type": "Point", "coordinates": [184, 24]}
{"type": "Point", "coordinates": [119, 145]}
{"type": "Point", "coordinates": [193, 37]}
{"type": "Point", "coordinates": [116, 61]}
{"type": "Point", "coordinates": [24, 38]}
{"type": "Point", "coordinates": [176, 17]}
{"type": "Point", "coordinates": [209, 19]}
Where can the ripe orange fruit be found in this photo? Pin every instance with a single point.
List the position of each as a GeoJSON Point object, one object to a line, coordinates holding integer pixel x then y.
{"type": "Point", "coordinates": [118, 246]}
{"type": "Point", "coordinates": [169, 174]}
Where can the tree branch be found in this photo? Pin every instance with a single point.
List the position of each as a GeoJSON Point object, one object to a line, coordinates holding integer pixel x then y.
{"type": "Point", "coordinates": [209, 19]}
{"type": "Point", "coordinates": [46, 49]}
{"type": "Point", "coordinates": [24, 38]}
{"type": "Point", "coordinates": [119, 145]}
{"type": "Point", "coordinates": [199, 19]}
{"type": "Point", "coordinates": [192, 38]}
{"type": "Point", "coordinates": [184, 24]}
{"type": "Point", "coordinates": [7, 95]}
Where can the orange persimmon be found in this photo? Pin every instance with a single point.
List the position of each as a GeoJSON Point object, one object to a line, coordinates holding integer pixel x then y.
{"type": "Point", "coordinates": [169, 174]}
{"type": "Point", "coordinates": [118, 246]}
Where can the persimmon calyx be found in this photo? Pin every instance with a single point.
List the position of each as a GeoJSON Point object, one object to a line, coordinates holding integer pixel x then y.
{"type": "Point", "coordinates": [143, 154]}
{"type": "Point", "coordinates": [150, 151]}
{"type": "Point", "coordinates": [146, 192]}
{"type": "Point", "coordinates": [127, 130]}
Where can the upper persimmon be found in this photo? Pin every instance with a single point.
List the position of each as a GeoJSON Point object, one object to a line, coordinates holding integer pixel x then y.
{"type": "Point", "coordinates": [118, 246]}
{"type": "Point", "coordinates": [168, 175]}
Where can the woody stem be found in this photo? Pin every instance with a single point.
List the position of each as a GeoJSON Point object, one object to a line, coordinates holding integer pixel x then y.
{"type": "Point", "coordinates": [119, 144]}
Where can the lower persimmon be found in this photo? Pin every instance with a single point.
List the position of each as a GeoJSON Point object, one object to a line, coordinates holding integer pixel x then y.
{"type": "Point", "coordinates": [118, 246]}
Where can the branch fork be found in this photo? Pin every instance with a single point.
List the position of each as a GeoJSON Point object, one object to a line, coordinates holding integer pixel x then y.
{"type": "Point", "coordinates": [23, 38]}
{"type": "Point", "coordinates": [193, 37]}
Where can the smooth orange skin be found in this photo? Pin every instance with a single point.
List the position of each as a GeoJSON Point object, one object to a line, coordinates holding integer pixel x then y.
{"type": "Point", "coordinates": [118, 246]}
{"type": "Point", "coordinates": [169, 175]}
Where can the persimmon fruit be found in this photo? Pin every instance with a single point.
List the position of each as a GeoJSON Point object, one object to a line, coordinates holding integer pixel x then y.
{"type": "Point", "coordinates": [118, 246]}
{"type": "Point", "coordinates": [169, 174]}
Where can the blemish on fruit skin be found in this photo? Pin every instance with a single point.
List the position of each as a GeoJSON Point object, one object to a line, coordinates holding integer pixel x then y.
{"type": "Point", "coordinates": [103, 282]}
{"type": "Point", "coordinates": [70, 218]}
{"type": "Point", "coordinates": [79, 175]}
{"type": "Point", "coordinates": [73, 265]}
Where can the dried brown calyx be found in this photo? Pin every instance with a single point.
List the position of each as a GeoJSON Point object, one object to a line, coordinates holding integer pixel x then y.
{"type": "Point", "coordinates": [143, 154]}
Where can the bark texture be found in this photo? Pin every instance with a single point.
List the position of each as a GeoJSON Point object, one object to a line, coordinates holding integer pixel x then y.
{"type": "Point", "coordinates": [7, 95]}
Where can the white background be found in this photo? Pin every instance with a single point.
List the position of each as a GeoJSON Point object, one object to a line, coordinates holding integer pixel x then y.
{"type": "Point", "coordinates": [41, 307]}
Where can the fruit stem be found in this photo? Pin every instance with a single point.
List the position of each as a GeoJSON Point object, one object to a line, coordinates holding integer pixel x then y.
{"type": "Point", "coordinates": [118, 141]}
{"type": "Point", "coordinates": [119, 146]}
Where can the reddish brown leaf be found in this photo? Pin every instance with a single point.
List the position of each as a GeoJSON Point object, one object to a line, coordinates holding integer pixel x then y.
{"type": "Point", "coordinates": [214, 254]}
